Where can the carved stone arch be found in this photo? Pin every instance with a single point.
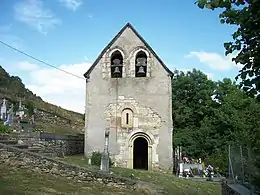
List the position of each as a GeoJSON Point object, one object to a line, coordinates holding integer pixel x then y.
{"type": "Point", "coordinates": [117, 48]}
{"type": "Point", "coordinates": [139, 133]}
{"type": "Point", "coordinates": [127, 106]}
{"type": "Point", "coordinates": [116, 62]}
{"type": "Point", "coordinates": [133, 54]}
{"type": "Point", "coordinates": [135, 135]}
{"type": "Point", "coordinates": [143, 49]}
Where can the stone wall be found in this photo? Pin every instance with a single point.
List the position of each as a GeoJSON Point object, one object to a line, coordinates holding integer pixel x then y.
{"type": "Point", "coordinates": [19, 158]}
{"type": "Point", "coordinates": [56, 144]}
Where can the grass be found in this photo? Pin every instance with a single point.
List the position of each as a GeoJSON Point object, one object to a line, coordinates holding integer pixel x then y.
{"type": "Point", "coordinates": [53, 128]}
{"type": "Point", "coordinates": [172, 184]}
{"type": "Point", "coordinates": [25, 182]}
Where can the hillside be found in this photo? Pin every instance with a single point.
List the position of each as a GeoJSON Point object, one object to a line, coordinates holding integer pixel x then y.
{"type": "Point", "coordinates": [49, 117]}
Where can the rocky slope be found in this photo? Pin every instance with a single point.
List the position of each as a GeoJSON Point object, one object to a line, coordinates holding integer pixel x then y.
{"type": "Point", "coordinates": [49, 117]}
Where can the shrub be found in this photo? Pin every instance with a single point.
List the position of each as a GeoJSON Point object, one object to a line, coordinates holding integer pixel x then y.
{"type": "Point", "coordinates": [3, 128]}
{"type": "Point", "coordinates": [96, 159]}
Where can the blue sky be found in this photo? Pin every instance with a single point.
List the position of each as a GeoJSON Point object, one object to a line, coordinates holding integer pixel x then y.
{"type": "Point", "coordinates": [71, 33]}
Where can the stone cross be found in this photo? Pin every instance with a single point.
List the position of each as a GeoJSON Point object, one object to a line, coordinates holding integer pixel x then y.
{"type": "Point", "coordinates": [104, 166]}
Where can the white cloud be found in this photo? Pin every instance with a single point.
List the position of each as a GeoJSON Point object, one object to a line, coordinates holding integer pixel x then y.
{"type": "Point", "coordinates": [215, 60]}
{"type": "Point", "coordinates": [27, 66]}
{"type": "Point", "coordinates": [58, 87]}
{"type": "Point", "coordinates": [72, 4]}
{"type": "Point", "coordinates": [33, 13]}
{"type": "Point", "coordinates": [209, 75]}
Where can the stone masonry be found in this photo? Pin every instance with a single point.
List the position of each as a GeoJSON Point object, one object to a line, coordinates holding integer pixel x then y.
{"type": "Point", "coordinates": [146, 100]}
{"type": "Point", "coordinates": [19, 158]}
{"type": "Point", "coordinates": [16, 157]}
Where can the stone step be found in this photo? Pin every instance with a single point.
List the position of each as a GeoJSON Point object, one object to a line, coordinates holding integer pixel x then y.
{"type": "Point", "coordinates": [9, 142]}
{"type": "Point", "coordinates": [36, 150]}
{"type": "Point", "coordinates": [47, 154]}
{"type": "Point", "coordinates": [4, 137]}
{"type": "Point", "coordinates": [20, 146]}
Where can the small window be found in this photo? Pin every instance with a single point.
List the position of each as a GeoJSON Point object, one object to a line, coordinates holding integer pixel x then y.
{"type": "Point", "coordinates": [127, 118]}
{"type": "Point", "coordinates": [116, 63]}
{"type": "Point", "coordinates": [140, 64]}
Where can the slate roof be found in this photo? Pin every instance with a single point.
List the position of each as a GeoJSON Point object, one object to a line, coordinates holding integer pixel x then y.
{"type": "Point", "coordinates": [128, 25]}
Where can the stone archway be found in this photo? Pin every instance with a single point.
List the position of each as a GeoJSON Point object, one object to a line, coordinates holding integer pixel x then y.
{"type": "Point", "coordinates": [140, 151]}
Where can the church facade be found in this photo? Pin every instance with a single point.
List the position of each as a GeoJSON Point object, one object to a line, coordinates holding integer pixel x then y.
{"type": "Point", "coordinates": [129, 93]}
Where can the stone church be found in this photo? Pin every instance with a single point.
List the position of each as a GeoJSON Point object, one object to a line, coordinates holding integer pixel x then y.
{"type": "Point", "coordinates": [129, 93]}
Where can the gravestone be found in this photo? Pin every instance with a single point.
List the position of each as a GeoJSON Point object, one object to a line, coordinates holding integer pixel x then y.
{"type": "Point", "coordinates": [3, 110]}
{"type": "Point", "coordinates": [10, 114]}
{"type": "Point", "coordinates": [104, 166]}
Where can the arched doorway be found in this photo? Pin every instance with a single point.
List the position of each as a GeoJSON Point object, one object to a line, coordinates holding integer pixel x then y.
{"type": "Point", "coordinates": [140, 153]}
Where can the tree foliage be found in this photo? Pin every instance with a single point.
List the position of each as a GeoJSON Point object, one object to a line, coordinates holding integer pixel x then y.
{"type": "Point", "coordinates": [245, 14]}
{"type": "Point", "coordinates": [208, 116]}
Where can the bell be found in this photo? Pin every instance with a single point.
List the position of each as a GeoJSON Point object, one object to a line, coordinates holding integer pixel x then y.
{"type": "Point", "coordinates": [116, 71]}
{"type": "Point", "coordinates": [141, 70]}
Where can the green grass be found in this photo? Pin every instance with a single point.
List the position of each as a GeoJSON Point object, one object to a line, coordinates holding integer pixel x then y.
{"type": "Point", "coordinates": [172, 184]}
{"type": "Point", "coordinates": [14, 181]}
{"type": "Point", "coordinates": [52, 128]}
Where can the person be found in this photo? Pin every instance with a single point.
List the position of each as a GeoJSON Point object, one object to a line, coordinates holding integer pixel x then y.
{"type": "Point", "coordinates": [210, 168]}
{"type": "Point", "coordinates": [210, 171]}
{"type": "Point", "coordinates": [200, 169]}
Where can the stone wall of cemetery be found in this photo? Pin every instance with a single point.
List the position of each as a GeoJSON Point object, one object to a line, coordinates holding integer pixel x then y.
{"type": "Point", "coordinates": [57, 144]}
{"type": "Point", "coordinates": [16, 157]}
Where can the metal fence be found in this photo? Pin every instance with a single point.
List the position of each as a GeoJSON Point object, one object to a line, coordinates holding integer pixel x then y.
{"type": "Point", "coordinates": [243, 168]}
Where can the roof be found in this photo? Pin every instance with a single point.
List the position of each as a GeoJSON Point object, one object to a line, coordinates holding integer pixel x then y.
{"type": "Point", "coordinates": [128, 25]}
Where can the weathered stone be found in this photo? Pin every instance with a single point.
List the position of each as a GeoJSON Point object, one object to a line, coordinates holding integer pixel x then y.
{"type": "Point", "coordinates": [148, 97]}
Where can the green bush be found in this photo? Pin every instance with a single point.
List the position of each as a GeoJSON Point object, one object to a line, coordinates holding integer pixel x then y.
{"type": "Point", "coordinates": [96, 159]}
{"type": "Point", "coordinates": [3, 128]}
{"type": "Point", "coordinates": [218, 161]}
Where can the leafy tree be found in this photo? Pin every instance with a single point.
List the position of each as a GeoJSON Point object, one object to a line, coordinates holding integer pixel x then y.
{"type": "Point", "coordinates": [245, 14]}
{"type": "Point", "coordinates": [30, 108]}
{"type": "Point", "coordinates": [208, 116]}
{"type": "Point", "coordinates": [191, 103]}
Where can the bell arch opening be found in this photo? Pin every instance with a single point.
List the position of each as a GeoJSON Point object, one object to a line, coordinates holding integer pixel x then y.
{"type": "Point", "coordinates": [140, 153]}
{"type": "Point", "coordinates": [140, 64]}
{"type": "Point", "coordinates": [116, 63]}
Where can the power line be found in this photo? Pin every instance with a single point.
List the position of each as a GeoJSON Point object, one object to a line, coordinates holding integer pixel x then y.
{"type": "Point", "coordinates": [34, 58]}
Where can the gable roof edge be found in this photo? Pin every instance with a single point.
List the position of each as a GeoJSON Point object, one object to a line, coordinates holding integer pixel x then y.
{"type": "Point", "coordinates": [86, 75]}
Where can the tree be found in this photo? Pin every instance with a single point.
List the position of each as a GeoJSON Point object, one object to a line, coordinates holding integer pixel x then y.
{"type": "Point", "coordinates": [30, 108]}
{"type": "Point", "coordinates": [245, 14]}
{"type": "Point", "coordinates": [208, 116]}
{"type": "Point", "coordinates": [191, 103]}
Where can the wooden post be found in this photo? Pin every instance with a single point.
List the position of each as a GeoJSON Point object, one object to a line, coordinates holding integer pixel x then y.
{"type": "Point", "coordinates": [250, 168]}
{"type": "Point", "coordinates": [242, 165]}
